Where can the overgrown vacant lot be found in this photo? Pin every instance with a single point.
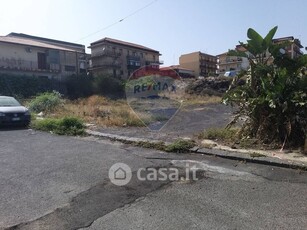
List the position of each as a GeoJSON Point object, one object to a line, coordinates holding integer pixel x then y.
{"type": "Point", "coordinates": [107, 112]}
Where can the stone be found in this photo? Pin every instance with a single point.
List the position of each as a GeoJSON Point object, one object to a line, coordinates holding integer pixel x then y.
{"type": "Point", "coordinates": [208, 144]}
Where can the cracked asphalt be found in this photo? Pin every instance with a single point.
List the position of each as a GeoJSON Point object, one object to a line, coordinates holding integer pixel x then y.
{"type": "Point", "coordinates": [55, 182]}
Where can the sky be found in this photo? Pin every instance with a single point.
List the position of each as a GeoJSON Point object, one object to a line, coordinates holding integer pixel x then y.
{"type": "Point", "coordinates": [173, 27]}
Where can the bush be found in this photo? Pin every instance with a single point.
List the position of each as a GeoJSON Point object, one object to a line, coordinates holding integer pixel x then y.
{"type": "Point", "coordinates": [45, 102]}
{"type": "Point", "coordinates": [79, 86]}
{"type": "Point", "coordinates": [108, 86]}
{"type": "Point", "coordinates": [65, 126]}
{"type": "Point", "coordinates": [21, 86]}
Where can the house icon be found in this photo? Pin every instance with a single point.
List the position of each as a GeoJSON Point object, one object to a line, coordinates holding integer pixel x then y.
{"type": "Point", "coordinates": [120, 174]}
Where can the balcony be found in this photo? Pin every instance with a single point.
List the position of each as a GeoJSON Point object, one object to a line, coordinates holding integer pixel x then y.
{"type": "Point", "coordinates": [133, 58]}
{"type": "Point", "coordinates": [231, 60]}
{"type": "Point", "coordinates": [113, 65]}
{"type": "Point", "coordinates": [105, 53]}
{"type": "Point", "coordinates": [27, 66]}
{"type": "Point", "coordinates": [159, 62]}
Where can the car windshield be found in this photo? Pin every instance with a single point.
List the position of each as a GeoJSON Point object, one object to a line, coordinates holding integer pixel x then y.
{"type": "Point", "coordinates": [8, 102]}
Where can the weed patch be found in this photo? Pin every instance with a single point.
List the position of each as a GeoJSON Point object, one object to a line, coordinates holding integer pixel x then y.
{"type": "Point", "coordinates": [180, 146]}
{"type": "Point", "coordinates": [220, 134]}
{"type": "Point", "coordinates": [46, 102]}
{"type": "Point", "coordinates": [257, 155]}
{"type": "Point", "coordinates": [70, 126]}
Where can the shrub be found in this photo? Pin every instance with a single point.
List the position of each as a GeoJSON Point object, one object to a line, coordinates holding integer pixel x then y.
{"type": "Point", "coordinates": [79, 86]}
{"type": "Point", "coordinates": [108, 86]}
{"type": "Point", "coordinates": [45, 102]}
{"type": "Point", "coordinates": [65, 126]}
{"type": "Point", "coordinates": [21, 86]}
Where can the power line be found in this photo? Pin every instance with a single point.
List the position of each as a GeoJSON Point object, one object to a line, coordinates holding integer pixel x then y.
{"type": "Point", "coordinates": [113, 24]}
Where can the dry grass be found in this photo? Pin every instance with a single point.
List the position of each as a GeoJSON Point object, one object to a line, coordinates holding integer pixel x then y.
{"type": "Point", "coordinates": [192, 99]}
{"type": "Point", "coordinates": [106, 112]}
{"type": "Point", "coordinates": [101, 111]}
{"type": "Point", "coordinates": [200, 100]}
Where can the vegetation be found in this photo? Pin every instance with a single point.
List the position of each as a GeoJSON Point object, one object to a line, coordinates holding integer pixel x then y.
{"type": "Point", "coordinates": [108, 86]}
{"type": "Point", "coordinates": [64, 126]}
{"type": "Point", "coordinates": [151, 145]}
{"type": "Point", "coordinates": [221, 134]}
{"type": "Point", "coordinates": [180, 146]}
{"type": "Point", "coordinates": [274, 98]}
{"type": "Point", "coordinates": [254, 155]}
{"type": "Point", "coordinates": [46, 102]}
{"type": "Point", "coordinates": [73, 87]}
{"type": "Point", "coordinates": [79, 86]}
{"type": "Point", "coordinates": [99, 110]}
{"type": "Point", "coordinates": [21, 86]}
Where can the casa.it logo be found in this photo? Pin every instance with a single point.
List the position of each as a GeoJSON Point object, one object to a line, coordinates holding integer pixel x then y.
{"type": "Point", "coordinates": [153, 94]}
{"type": "Point", "coordinates": [120, 174]}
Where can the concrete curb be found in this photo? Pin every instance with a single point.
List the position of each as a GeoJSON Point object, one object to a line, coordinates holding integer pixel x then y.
{"type": "Point", "coordinates": [211, 152]}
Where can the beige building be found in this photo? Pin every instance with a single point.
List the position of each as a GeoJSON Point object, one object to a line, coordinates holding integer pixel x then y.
{"type": "Point", "coordinates": [29, 56]}
{"type": "Point", "coordinates": [119, 58]}
{"type": "Point", "coordinates": [201, 63]}
{"type": "Point", "coordinates": [231, 64]}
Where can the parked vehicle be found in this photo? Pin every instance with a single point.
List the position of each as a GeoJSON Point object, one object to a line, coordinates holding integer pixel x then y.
{"type": "Point", "coordinates": [231, 73]}
{"type": "Point", "coordinates": [13, 113]}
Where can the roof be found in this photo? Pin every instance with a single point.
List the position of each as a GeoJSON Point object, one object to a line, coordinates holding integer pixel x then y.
{"type": "Point", "coordinates": [20, 35]}
{"type": "Point", "coordinates": [291, 39]}
{"type": "Point", "coordinates": [283, 39]}
{"type": "Point", "coordinates": [119, 42]}
{"type": "Point", "coordinates": [199, 53]}
{"type": "Point", "coordinates": [225, 53]}
{"type": "Point", "coordinates": [28, 42]}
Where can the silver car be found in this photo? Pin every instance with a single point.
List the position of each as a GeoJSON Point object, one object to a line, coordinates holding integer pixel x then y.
{"type": "Point", "coordinates": [13, 113]}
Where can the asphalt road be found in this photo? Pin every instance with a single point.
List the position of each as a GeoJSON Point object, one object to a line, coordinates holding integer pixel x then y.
{"type": "Point", "coordinates": [54, 182]}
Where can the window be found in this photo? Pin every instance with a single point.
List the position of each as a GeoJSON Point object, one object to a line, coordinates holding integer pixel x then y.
{"type": "Point", "coordinates": [41, 61]}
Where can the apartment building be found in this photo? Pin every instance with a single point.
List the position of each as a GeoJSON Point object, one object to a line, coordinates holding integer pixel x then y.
{"type": "Point", "coordinates": [119, 58]}
{"type": "Point", "coordinates": [236, 64]}
{"type": "Point", "coordinates": [30, 55]}
{"type": "Point", "coordinates": [293, 49]}
{"type": "Point", "coordinates": [230, 64]}
{"type": "Point", "coordinates": [201, 63]}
